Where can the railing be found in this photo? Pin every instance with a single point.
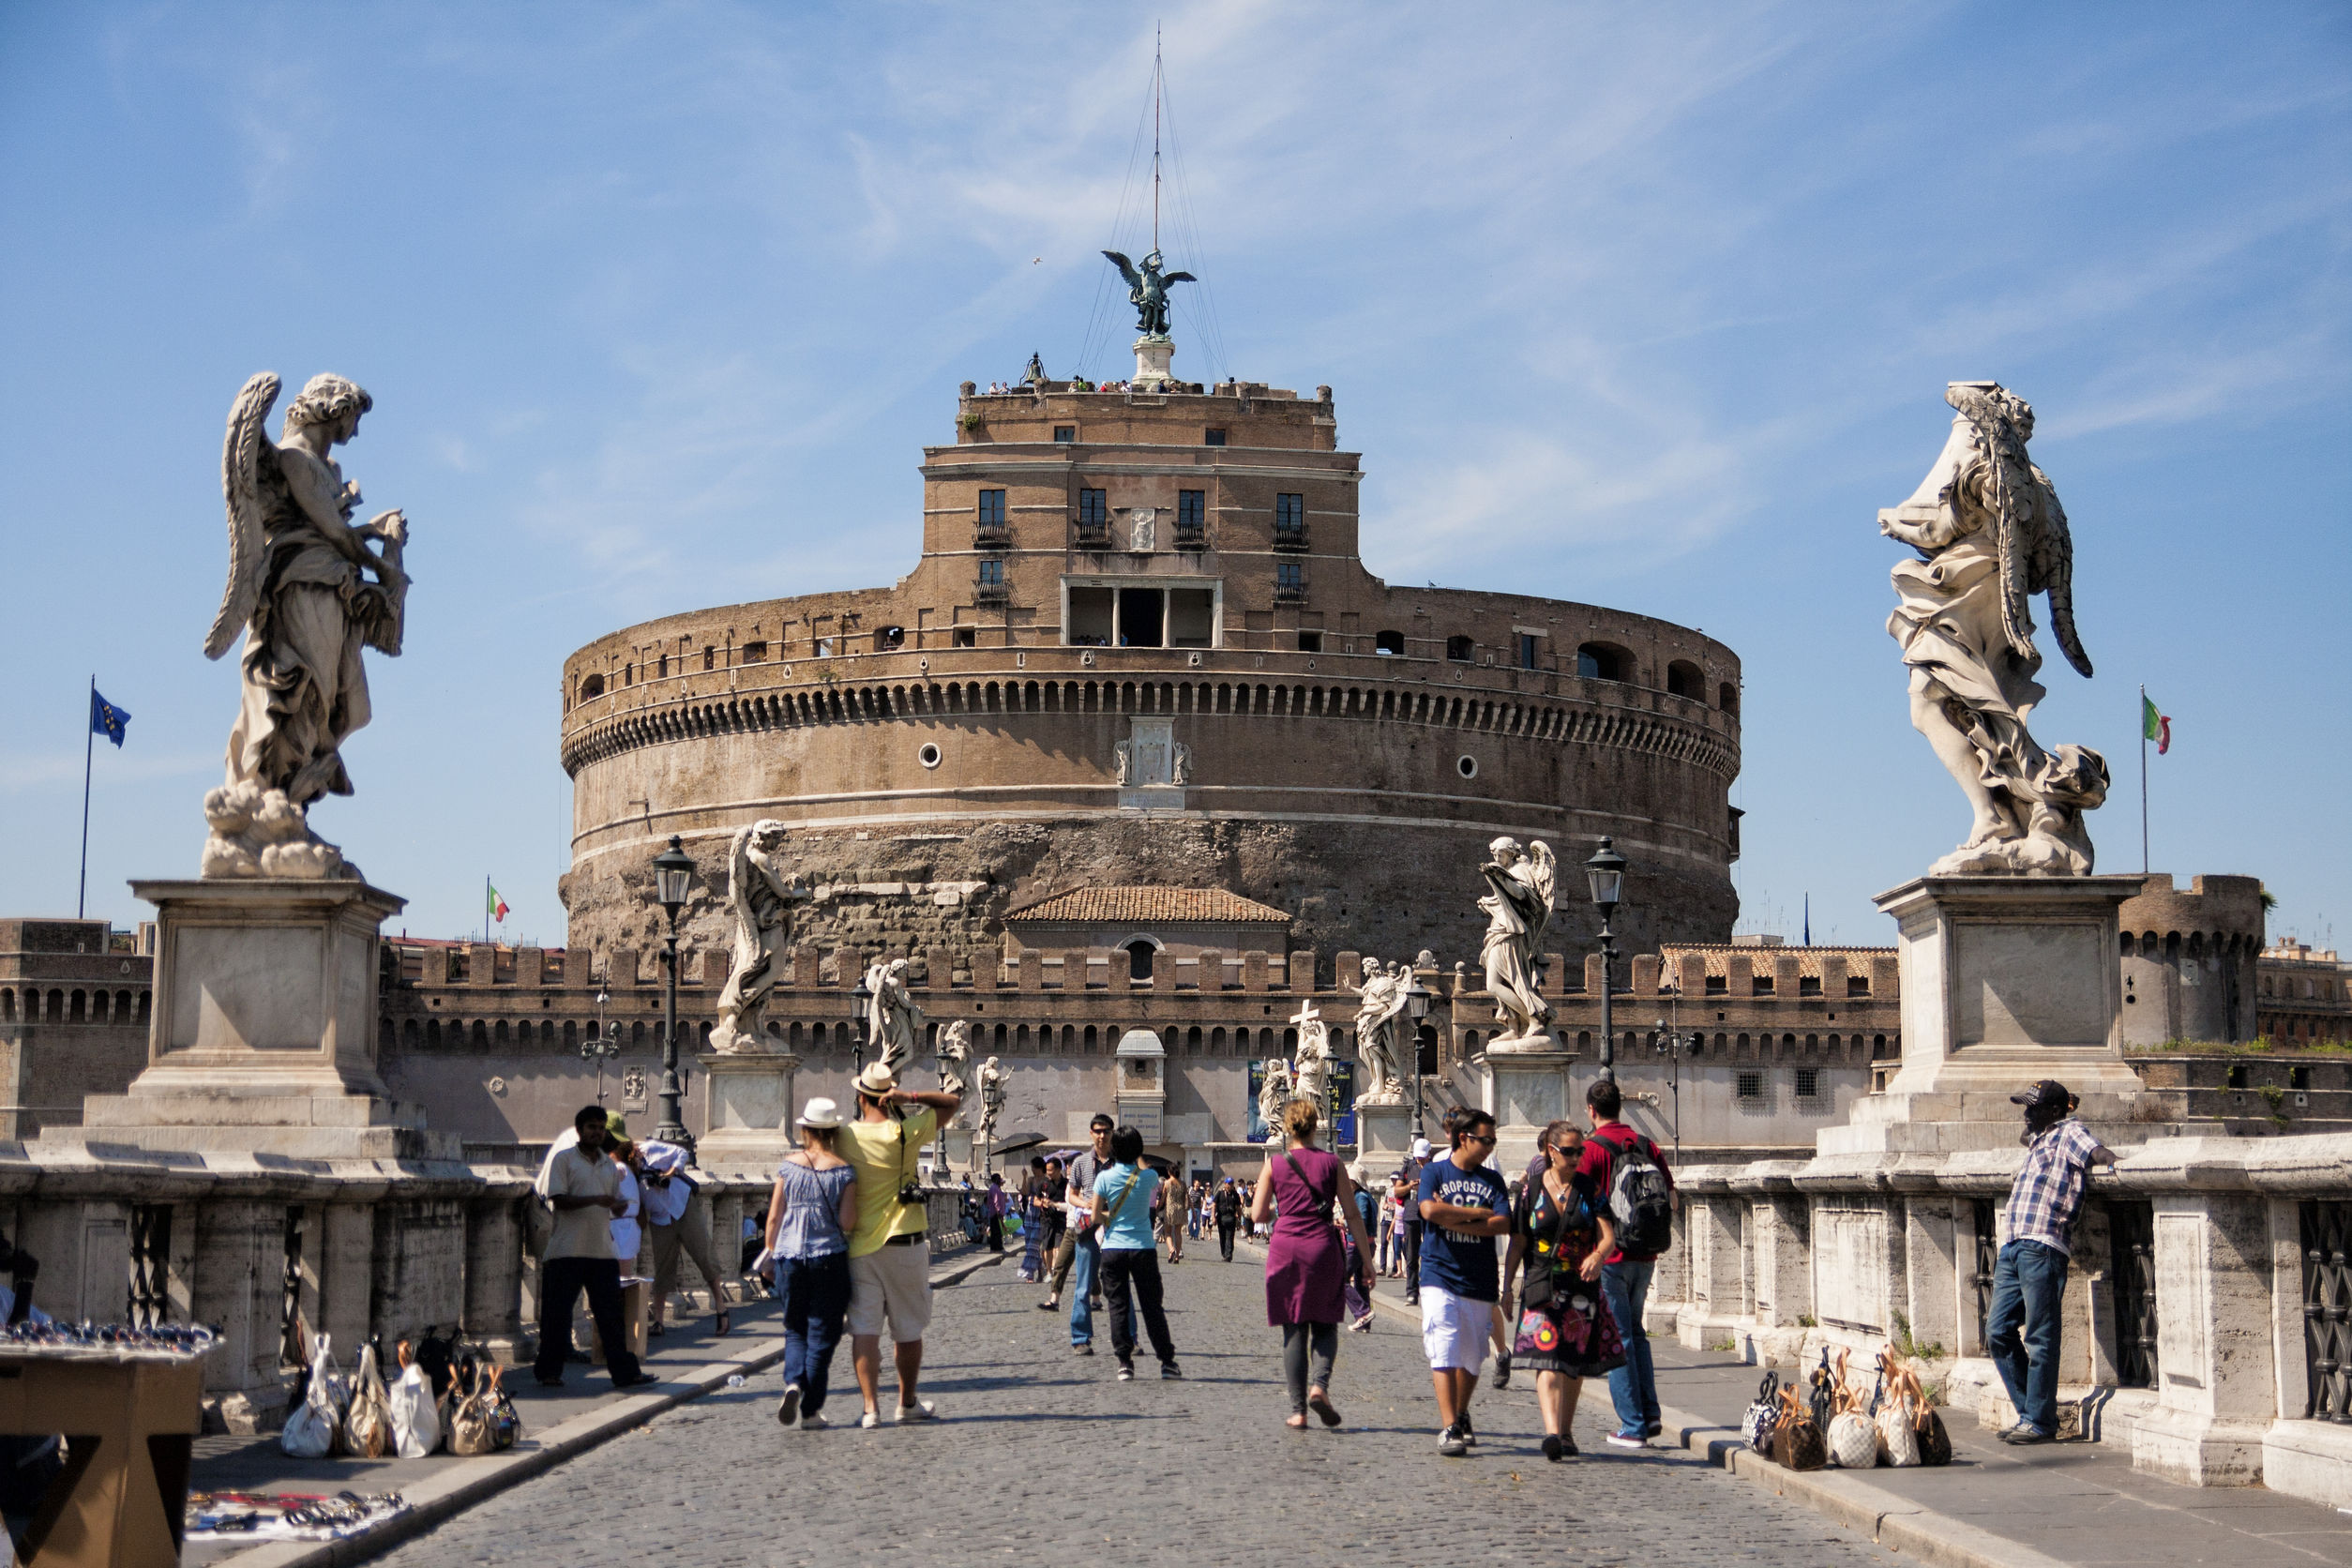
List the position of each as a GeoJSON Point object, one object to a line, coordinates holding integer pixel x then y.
{"type": "Point", "coordinates": [2328, 1310]}
{"type": "Point", "coordinates": [1291, 592]}
{"type": "Point", "coordinates": [1191, 536]}
{"type": "Point", "coordinates": [1094, 536]}
{"type": "Point", "coordinates": [991, 592]}
{"type": "Point", "coordinates": [991, 536]}
{"type": "Point", "coordinates": [2132, 1250]}
{"type": "Point", "coordinates": [1988, 1250]}
{"type": "Point", "coordinates": [1289, 539]}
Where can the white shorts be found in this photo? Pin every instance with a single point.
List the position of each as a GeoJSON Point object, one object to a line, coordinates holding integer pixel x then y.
{"type": "Point", "coordinates": [1454, 1330]}
{"type": "Point", "coordinates": [892, 1282]}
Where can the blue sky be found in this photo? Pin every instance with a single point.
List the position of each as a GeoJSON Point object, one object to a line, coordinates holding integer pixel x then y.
{"type": "Point", "coordinates": [1652, 307]}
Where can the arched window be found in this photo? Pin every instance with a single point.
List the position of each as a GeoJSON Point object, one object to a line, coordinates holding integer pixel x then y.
{"type": "Point", "coordinates": [1604, 661]}
{"type": "Point", "coordinates": [1685, 679]}
{"type": "Point", "coordinates": [408, 1032]}
{"type": "Point", "coordinates": [591, 685]}
{"type": "Point", "coordinates": [1094, 1039]}
{"type": "Point", "coordinates": [1728, 698]}
{"type": "Point", "coordinates": [1389, 642]}
{"type": "Point", "coordinates": [1461, 650]}
{"type": "Point", "coordinates": [432, 1034]}
{"type": "Point", "coordinates": [1140, 958]}
{"type": "Point", "coordinates": [1192, 1040]}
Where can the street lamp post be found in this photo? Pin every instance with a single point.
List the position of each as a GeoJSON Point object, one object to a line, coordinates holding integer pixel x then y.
{"type": "Point", "coordinates": [1417, 1008]}
{"type": "Point", "coordinates": [859, 997]}
{"type": "Point", "coordinates": [1605, 871]}
{"type": "Point", "coordinates": [601, 1045]}
{"type": "Point", "coordinates": [674, 869]}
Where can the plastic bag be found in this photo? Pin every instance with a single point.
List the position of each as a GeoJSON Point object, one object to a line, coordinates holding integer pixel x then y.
{"type": "Point", "coordinates": [416, 1420]}
{"type": "Point", "coordinates": [309, 1432]}
{"type": "Point", "coordinates": [368, 1424]}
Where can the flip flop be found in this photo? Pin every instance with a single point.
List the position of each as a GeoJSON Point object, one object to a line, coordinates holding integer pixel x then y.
{"type": "Point", "coordinates": [724, 1323]}
{"type": "Point", "coordinates": [1324, 1409]}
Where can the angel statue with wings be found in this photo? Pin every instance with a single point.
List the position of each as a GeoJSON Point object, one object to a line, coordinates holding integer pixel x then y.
{"type": "Point", "coordinates": [1518, 905]}
{"type": "Point", "coordinates": [758, 894]}
{"type": "Point", "coordinates": [892, 1021]}
{"type": "Point", "coordinates": [954, 1049]}
{"type": "Point", "coordinates": [1273, 1092]}
{"type": "Point", "coordinates": [1991, 535]}
{"type": "Point", "coordinates": [1378, 1020]}
{"type": "Point", "coordinates": [1147, 291]}
{"type": "Point", "coordinates": [310, 591]}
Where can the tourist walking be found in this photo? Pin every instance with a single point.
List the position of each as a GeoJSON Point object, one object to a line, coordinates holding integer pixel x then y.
{"type": "Point", "coordinates": [584, 1187]}
{"type": "Point", "coordinates": [1085, 1245]}
{"type": "Point", "coordinates": [812, 1211]}
{"type": "Point", "coordinates": [677, 1226]}
{"type": "Point", "coordinates": [2022, 1328]}
{"type": "Point", "coordinates": [890, 1259]}
{"type": "Point", "coordinates": [994, 1208]}
{"type": "Point", "coordinates": [1560, 1232]}
{"type": "Point", "coordinates": [1053, 1243]}
{"type": "Point", "coordinates": [1172, 1218]}
{"type": "Point", "coordinates": [1129, 1260]}
{"type": "Point", "coordinates": [1625, 1276]}
{"type": "Point", "coordinates": [1227, 1205]}
{"type": "Point", "coordinates": [1464, 1206]}
{"type": "Point", "coordinates": [1415, 1226]}
{"type": "Point", "coordinates": [1306, 1265]}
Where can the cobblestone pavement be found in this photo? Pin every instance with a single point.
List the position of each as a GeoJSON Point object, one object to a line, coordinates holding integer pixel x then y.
{"type": "Point", "coordinates": [1043, 1454]}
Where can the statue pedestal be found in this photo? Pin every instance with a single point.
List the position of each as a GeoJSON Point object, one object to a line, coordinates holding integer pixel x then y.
{"type": "Point", "coordinates": [2006, 980]}
{"type": "Point", "coordinates": [748, 1124]}
{"type": "Point", "coordinates": [1151, 355]}
{"type": "Point", "coordinates": [1525, 1087]}
{"type": "Point", "coordinates": [1384, 1135]}
{"type": "Point", "coordinates": [263, 1037]}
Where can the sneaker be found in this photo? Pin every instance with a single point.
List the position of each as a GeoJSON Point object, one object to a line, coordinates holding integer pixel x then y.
{"type": "Point", "coordinates": [870, 1420]}
{"type": "Point", "coordinates": [1567, 1448]}
{"type": "Point", "coordinates": [1553, 1448]}
{"type": "Point", "coordinates": [1452, 1444]}
{"type": "Point", "coordinates": [789, 1411]}
{"type": "Point", "coordinates": [1126, 1373]}
{"type": "Point", "coordinates": [1170, 1372]}
{"type": "Point", "coordinates": [1470, 1433]}
{"type": "Point", "coordinates": [1081, 1349]}
{"type": "Point", "coordinates": [2021, 1436]}
{"type": "Point", "coordinates": [814, 1422]}
{"type": "Point", "coordinates": [1502, 1370]}
{"type": "Point", "coordinates": [921, 1410]}
{"type": "Point", "coordinates": [1654, 1429]}
{"type": "Point", "coordinates": [1628, 1439]}
{"type": "Point", "coordinates": [1048, 1307]}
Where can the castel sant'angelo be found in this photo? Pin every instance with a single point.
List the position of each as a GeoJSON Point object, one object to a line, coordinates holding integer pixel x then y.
{"type": "Point", "coordinates": [1138, 649]}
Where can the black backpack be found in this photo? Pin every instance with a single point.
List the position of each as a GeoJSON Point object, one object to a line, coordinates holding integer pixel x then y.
{"type": "Point", "coordinates": [1641, 1201]}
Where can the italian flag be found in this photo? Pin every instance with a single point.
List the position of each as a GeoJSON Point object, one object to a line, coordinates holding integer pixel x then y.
{"type": "Point", "coordinates": [495, 906]}
{"type": "Point", "coordinates": [2155, 725]}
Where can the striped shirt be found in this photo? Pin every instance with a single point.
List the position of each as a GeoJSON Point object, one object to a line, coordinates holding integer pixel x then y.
{"type": "Point", "coordinates": [2048, 1192]}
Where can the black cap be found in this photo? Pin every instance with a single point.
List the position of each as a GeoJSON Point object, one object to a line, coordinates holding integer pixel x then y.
{"type": "Point", "coordinates": [2049, 1094]}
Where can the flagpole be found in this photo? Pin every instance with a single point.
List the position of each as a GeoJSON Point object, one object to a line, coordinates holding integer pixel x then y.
{"type": "Point", "coordinates": [2143, 780]}
{"type": "Point", "coordinates": [89, 734]}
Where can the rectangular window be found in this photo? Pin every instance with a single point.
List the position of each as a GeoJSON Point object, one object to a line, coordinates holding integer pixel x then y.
{"type": "Point", "coordinates": [1093, 512]}
{"type": "Point", "coordinates": [1214, 438]}
{"type": "Point", "coordinates": [1808, 985]}
{"type": "Point", "coordinates": [1310, 642]}
{"type": "Point", "coordinates": [991, 508]}
{"type": "Point", "coordinates": [1858, 984]}
{"type": "Point", "coordinates": [1808, 1083]}
{"type": "Point", "coordinates": [1066, 433]}
{"type": "Point", "coordinates": [961, 637]}
{"type": "Point", "coordinates": [1192, 510]}
{"type": "Point", "coordinates": [710, 656]}
{"type": "Point", "coordinates": [1751, 1086]}
{"type": "Point", "coordinates": [1717, 984]}
{"type": "Point", "coordinates": [1762, 985]}
{"type": "Point", "coordinates": [1288, 574]}
{"type": "Point", "coordinates": [1529, 648]}
{"type": "Point", "coordinates": [754, 652]}
{"type": "Point", "coordinates": [992, 572]}
{"type": "Point", "coordinates": [1290, 514]}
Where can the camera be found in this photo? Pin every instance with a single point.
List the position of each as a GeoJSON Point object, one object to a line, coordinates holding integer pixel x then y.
{"type": "Point", "coordinates": [913, 1193]}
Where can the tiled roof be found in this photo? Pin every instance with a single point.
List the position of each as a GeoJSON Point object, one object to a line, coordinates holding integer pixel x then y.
{"type": "Point", "coordinates": [1152, 906]}
{"type": "Point", "coordinates": [1714, 958]}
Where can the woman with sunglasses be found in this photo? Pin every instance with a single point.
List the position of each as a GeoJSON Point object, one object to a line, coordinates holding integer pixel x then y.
{"type": "Point", "coordinates": [1560, 1230]}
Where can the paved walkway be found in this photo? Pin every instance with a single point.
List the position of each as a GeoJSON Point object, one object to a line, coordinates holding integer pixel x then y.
{"type": "Point", "coordinates": [1045, 1456]}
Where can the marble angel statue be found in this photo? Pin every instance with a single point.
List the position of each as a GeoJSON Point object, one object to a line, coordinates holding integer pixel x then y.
{"type": "Point", "coordinates": [310, 591]}
{"type": "Point", "coordinates": [991, 1100]}
{"type": "Point", "coordinates": [1380, 1018]}
{"type": "Point", "coordinates": [758, 894]}
{"type": "Point", "coordinates": [1518, 905]}
{"type": "Point", "coordinates": [1991, 535]}
{"type": "Point", "coordinates": [893, 1022]}
{"type": "Point", "coordinates": [955, 1050]}
{"type": "Point", "coordinates": [1310, 1069]}
{"type": "Point", "coordinates": [1273, 1092]}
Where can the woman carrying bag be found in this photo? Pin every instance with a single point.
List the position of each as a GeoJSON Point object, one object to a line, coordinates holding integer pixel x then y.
{"type": "Point", "coordinates": [1122, 1218]}
{"type": "Point", "coordinates": [811, 1213]}
{"type": "Point", "coordinates": [1307, 1268]}
{"type": "Point", "coordinates": [1560, 1230]}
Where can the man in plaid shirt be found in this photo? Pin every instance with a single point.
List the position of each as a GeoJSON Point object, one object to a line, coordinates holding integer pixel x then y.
{"type": "Point", "coordinates": [2022, 1329]}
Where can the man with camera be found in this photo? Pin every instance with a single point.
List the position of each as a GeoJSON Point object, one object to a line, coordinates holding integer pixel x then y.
{"type": "Point", "coordinates": [890, 1257]}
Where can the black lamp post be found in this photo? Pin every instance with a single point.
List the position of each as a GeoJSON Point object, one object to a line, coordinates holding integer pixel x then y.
{"type": "Point", "coordinates": [859, 997]}
{"type": "Point", "coordinates": [674, 869]}
{"type": "Point", "coordinates": [1605, 871]}
{"type": "Point", "coordinates": [601, 1044]}
{"type": "Point", "coordinates": [1417, 1008]}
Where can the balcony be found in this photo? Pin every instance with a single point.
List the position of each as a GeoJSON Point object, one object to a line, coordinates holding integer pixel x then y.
{"type": "Point", "coordinates": [1094, 536]}
{"type": "Point", "coordinates": [1191, 536]}
{"type": "Point", "coordinates": [992, 535]}
{"type": "Point", "coordinates": [1293, 592]}
{"type": "Point", "coordinates": [991, 592]}
{"type": "Point", "coordinates": [1292, 539]}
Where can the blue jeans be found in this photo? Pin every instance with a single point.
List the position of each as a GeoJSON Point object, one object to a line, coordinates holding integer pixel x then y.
{"type": "Point", "coordinates": [2022, 1329]}
{"type": "Point", "coordinates": [1084, 1260]}
{"type": "Point", "coordinates": [815, 1296]}
{"type": "Point", "coordinates": [1632, 1387]}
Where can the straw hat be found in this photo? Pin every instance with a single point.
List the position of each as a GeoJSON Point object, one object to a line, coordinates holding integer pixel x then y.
{"type": "Point", "coordinates": [876, 1080]}
{"type": "Point", "coordinates": [821, 1113]}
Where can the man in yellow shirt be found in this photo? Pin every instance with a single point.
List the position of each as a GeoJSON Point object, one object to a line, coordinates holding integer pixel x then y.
{"type": "Point", "coordinates": [890, 1257]}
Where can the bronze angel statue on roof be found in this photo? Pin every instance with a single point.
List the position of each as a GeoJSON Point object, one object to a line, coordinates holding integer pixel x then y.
{"type": "Point", "coordinates": [1990, 536]}
{"type": "Point", "coordinates": [1147, 291]}
{"type": "Point", "coordinates": [310, 591]}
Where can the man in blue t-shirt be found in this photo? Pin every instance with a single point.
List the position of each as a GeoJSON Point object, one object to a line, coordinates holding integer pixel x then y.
{"type": "Point", "coordinates": [1464, 1206]}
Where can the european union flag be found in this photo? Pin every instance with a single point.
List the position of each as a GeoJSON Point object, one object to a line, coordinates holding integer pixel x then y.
{"type": "Point", "coordinates": [107, 719]}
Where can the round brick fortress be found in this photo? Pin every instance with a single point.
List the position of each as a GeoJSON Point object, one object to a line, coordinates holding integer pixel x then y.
{"type": "Point", "coordinates": [1140, 648]}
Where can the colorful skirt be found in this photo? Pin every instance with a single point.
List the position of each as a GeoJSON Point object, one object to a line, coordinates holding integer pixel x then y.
{"type": "Point", "coordinates": [1032, 1247]}
{"type": "Point", "coordinates": [1572, 1334]}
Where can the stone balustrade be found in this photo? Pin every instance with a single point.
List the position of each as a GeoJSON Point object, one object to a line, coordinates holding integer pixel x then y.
{"type": "Point", "coordinates": [2208, 1313]}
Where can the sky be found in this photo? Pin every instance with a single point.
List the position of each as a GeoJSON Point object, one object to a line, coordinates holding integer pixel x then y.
{"type": "Point", "coordinates": [1650, 307]}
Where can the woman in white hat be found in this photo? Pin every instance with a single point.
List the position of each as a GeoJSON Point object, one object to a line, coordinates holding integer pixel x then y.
{"type": "Point", "coordinates": [810, 1215]}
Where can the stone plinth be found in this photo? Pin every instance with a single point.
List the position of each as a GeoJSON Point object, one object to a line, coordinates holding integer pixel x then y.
{"type": "Point", "coordinates": [2005, 980]}
{"type": "Point", "coordinates": [263, 1037]}
{"type": "Point", "coordinates": [1525, 1087]}
{"type": "Point", "coordinates": [1384, 1134]}
{"type": "Point", "coordinates": [1153, 353]}
{"type": "Point", "coordinates": [749, 1126]}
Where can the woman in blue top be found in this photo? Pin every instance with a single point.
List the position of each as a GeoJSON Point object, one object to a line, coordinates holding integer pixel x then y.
{"type": "Point", "coordinates": [810, 1215]}
{"type": "Point", "coordinates": [1122, 1218]}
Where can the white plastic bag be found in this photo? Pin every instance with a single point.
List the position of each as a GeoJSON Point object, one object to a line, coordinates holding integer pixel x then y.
{"type": "Point", "coordinates": [1853, 1442]}
{"type": "Point", "coordinates": [415, 1421]}
{"type": "Point", "coordinates": [309, 1432]}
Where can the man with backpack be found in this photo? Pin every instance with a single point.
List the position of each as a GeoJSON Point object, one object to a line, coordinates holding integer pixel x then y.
{"type": "Point", "coordinates": [1229, 1212]}
{"type": "Point", "coordinates": [1628, 1169]}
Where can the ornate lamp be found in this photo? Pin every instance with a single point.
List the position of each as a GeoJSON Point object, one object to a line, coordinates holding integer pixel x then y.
{"type": "Point", "coordinates": [859, 996]}
{"type": "Point", "coordinates": [1417, 999]}
{"type": "Point", "coordinates": [673, 870]}
{"type": "Point", "coordinates": [1605, 872]}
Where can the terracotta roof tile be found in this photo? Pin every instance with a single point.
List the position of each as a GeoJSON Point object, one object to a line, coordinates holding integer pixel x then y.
{"type": "Point", "coordinates": [1152, 906]}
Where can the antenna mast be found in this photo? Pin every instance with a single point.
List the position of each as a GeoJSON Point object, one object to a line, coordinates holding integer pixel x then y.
{"type": "Point", "coordinates": [1156, 136]}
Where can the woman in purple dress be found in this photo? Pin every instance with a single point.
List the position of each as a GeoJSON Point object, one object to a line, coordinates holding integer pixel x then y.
{"type": "Point", "coordinates": [1306, 1267]}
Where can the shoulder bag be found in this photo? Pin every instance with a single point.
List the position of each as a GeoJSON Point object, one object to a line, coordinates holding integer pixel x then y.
{"type": "Point", "coordinates": [1542, 1281]}
{"type": "Point", "coordinates": [1757, 1426]}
